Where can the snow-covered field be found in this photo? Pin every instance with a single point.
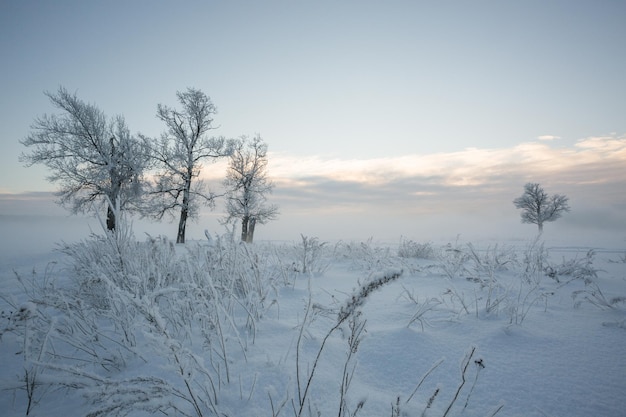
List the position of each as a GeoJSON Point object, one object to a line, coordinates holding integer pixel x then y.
{"type": "Point", "coordinates": [405, 328]}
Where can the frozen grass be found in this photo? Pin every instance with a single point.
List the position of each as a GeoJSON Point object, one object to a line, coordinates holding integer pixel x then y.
{"type": "Point", "coordinates": [127, 327]}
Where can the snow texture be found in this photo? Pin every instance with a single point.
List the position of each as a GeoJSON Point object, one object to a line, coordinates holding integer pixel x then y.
{"type": "Point", "coordinates": [116, 326]}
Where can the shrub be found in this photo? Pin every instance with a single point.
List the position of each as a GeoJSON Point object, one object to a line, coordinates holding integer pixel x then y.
{"type": "Point", "coordinates": [411, 249]}
{"type": "Point", "coordinates": [148, 304]}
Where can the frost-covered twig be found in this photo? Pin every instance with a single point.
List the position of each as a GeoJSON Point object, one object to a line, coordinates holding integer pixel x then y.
{"type": "Point", "coordinates": [345, 312]}
{"type": "Point", "coordinates": [356, 326]}
{"type": "Point", "coordinates": [464, 366]}
{"type": "Point", "coordinates": [419, 384]}
{"type": "Point", "coordinates": [358, 298]}
{"type": "Point", "coordinates": [429, 304]}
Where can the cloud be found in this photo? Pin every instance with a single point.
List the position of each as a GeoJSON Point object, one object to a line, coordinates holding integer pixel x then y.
{"type": "Point", "coordinates": [317, 178]}
{"type": "Point", "coordinates": [604, 145]}
{"type": "Point", "coordinates": [470, 167]}
{"type": "Point", "coordinates": [593, 168]}
{"type": "Point", "coordinates": [473, 179]}
{"type": "Point", "coordinates": [471, 189]}
{"type": "Point", "coordinates": [548, 137]}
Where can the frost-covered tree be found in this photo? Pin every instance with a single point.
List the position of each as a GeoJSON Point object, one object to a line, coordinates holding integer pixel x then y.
{"type": "Point", "coordinates": [94, 159]}
{"type": "Point", "coordinates": [247, 185]}
{"type": "Point", "coordinates": [179, 155]}
{"type": "Point", "coordinates": [538, 207]}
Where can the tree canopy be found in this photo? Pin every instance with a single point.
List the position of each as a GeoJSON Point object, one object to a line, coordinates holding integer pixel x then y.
{"type": "Point", "coordinates": [538, 207]}
{"type": "Point", "coordinates": [93, 158]}
{"type": "Point", "coordinates": [179, 154]}
{"type": "Point", "coordinates": [247, 186]}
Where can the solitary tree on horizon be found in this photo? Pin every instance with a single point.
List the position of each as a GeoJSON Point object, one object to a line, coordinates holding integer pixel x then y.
{"type": "Point", "coordinates": [246, 185]}
{"type": "Point", "coordinates": [538, 208]}
{"type": "Point", "coordinates": [179, 155]}
{"type": "Point", "coordinates": [94, 159]}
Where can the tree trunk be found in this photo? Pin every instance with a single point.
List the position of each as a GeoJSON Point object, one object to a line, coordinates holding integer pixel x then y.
{"type": "Point", "coordinates": [113, 194]}
{"type": "Point", "coordinates": [540, 226]}
{"type": "Point", "coordinates": [110, 218]}
{"type": "Point", "coordinates": [184, 213]}
{"type": "Point", "coordinates": [182, 224]}
{"type": "Point", "coordinates": [244, 229]}
{"type": "Point", "coordinates": [251, 229]}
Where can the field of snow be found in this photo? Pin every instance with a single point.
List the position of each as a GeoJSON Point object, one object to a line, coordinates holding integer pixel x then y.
{"type": "Point", "coordinates": [116, 326]}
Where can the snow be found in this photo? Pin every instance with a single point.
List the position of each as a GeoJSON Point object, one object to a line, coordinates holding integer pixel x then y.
{"type": "Point", "coordinates": [550, 346]}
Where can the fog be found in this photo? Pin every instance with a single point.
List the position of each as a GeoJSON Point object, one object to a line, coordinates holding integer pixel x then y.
{"type": "Point", "coordinates": [31, 236]}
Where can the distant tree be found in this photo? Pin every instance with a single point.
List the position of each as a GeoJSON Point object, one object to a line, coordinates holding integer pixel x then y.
{"type": "Point", "coordinates": [538, 208]}
{"type": "Point", "coordinates": [93, 159]}
{"type": "Point", "coordinates": [179, 155]}
{"type": "Point", "coordinates": [247, 185]}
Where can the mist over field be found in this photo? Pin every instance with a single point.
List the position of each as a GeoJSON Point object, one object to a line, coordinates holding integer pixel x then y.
{"type": "Point", "coordinates": [37, 226]}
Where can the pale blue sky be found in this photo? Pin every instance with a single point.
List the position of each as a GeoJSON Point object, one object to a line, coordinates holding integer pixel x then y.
{"type": "Point", "coordinates": [343, 83]}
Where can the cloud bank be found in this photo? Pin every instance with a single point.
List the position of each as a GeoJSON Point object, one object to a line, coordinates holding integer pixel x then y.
{"type": "Point", "coordinates": [467, 192]}
{"type": "Point", "coordinates": [458, 185]}
{"type": "Point", "coordinates": [594, 160]}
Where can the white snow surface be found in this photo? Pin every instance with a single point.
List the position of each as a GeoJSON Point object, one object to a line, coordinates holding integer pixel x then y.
{"type": "Point", "coordinates": [548, 344]}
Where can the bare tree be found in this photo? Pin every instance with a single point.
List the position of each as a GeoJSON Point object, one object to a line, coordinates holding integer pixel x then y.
{"type": "Point", "coordinates": [179, 155]}
{"type": "Point", "coordinates": [91, 157]}
{"type": "Point", "coordinates": [538, 207]}
{"type": "Point", "coordinates": [247, 184]}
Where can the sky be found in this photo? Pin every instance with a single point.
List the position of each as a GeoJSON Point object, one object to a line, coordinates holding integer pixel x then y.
{"type": "Point", "coordinates": [382, 118]}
